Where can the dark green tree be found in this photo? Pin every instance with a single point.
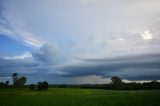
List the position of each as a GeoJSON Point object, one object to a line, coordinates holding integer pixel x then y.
{"type": "Point", "coordinates": [6, 84]}
{"type": "Point", "coordinates": [1, 84]}
{"type": "Point", "coordinates": [22, 80]}
{"type": "Point", "coordinates": [15, 78]}
{"type": "Point", "coordinates": [39, 86]}
{"type": "Point", "coordinates": [116, 80]}
{"type": "Point", "coordinates": [32, 86]}
{"type": "Point", "coordinates": [45, 85]}
{"type": "Point", "coordinates": [18, 82]}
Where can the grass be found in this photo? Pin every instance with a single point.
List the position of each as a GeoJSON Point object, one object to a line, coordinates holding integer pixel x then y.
{"type": "Point", "coordinates": [78, 97]}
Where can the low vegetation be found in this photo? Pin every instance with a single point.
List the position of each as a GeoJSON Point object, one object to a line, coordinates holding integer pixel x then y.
{"type": "Point", "coordinates": [41, 94]}
{"type": "Point", "coordinates": [78, 97]}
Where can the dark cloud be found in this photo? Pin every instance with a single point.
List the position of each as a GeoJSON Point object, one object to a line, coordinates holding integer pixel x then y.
{"type": "Point", "coordinates": [8, 66]}
{"type": "Point", "coordinates": [138, 67]}
{"type": "Point", "coordinates": [129, 67]}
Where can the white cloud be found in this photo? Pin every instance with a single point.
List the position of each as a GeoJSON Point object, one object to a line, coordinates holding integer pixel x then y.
{"type": "Point", "coordinates": [14, 27]}
{"type": "Point", "coordinates": [146, 35]}
{"type": "Point", "coordinates": [22, 56]}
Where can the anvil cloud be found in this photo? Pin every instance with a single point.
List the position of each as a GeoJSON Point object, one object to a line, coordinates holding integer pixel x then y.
{"type": "Point", "coordinates": [80, 41]}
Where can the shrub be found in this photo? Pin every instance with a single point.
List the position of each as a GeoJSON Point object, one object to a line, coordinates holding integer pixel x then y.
{"type": "Point", "coordinates": [32, 86]}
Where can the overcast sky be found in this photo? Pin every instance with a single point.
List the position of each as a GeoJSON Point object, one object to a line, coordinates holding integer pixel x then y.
{"type": "Point", "coordinates": [80, 41]}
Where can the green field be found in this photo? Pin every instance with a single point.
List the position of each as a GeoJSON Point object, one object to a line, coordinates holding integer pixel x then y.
{"type": "Point", "coordinates": [78, 97]}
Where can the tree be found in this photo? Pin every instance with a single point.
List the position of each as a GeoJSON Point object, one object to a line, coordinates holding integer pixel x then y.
{"type": "Point", "coordinates": [32, 86]}
{"type": "Point", "coordinates": [15, 78]}
{"type": "Point", "coordinates": [1, 84]}
{"type": "Point", "coordinates": [6, 84]}
{"type": "Point", "coordinates": [45, 85]}
{"type": "Point", "coordinates": [18, 82]}
{"type": "Point", "coordinates": [39, 86]}
{"type": "Point", "coordinates": [42, 85]}
{"type": "Point", "coordinates": [22, 80]}
{"type": "Point", "coordinates": [154, 84]}
{"type": "Point", "coordinates": [116, 80]}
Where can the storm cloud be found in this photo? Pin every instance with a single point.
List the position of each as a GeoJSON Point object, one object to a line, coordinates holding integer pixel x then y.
{"type": "Point", "coordinates": [80, 39]}
{"type": "Point", "coordinates": [128, 67]}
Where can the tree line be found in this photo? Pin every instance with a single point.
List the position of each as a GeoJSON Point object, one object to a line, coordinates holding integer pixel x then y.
{"type": "Point", "coordinates": [116, 83]}
{"type": "Point", "coordinates": [21, 81]}
{"type": "Point", "coordinates": [17, 81]}
{"type": "Point", "coordinates": [40, 86]}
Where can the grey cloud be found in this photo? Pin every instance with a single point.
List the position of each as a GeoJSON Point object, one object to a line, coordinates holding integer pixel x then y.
{"type": "Point", "coordinates": [42, 61]}
{"type": "Point", "coordinates": [35, 71]}
{"type": "Point", "coordinates": [136, 67]}
{"type": "Point", "coordinates": [130, 67]}
{"type": "Point", "coordinates": [46, 54]}
{"type": "Point", "coordinates": [8, 66]}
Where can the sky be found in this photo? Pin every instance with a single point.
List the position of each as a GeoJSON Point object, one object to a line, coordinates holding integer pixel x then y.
{"type": "Point", "coordinates": [80, 41]}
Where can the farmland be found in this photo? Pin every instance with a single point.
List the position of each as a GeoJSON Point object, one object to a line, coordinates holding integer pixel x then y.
{"type": "Point", "coordinates": [78, 97]}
